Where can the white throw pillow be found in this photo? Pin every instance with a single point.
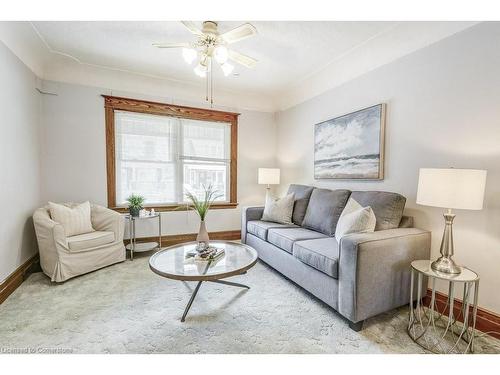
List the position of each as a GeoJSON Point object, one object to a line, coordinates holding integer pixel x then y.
{"type": "Point", "coordinates": [75, 220]}
{"type": "Point", "coordinates": [355, 219]}
{"type": "Point", "coordinates": [279, 210]}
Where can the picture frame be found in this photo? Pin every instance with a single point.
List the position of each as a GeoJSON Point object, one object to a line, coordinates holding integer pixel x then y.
{"type": "Point", "coordinates": [351, 146]}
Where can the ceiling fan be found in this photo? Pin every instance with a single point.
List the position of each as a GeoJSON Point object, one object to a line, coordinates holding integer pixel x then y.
{"type": "Point", "coordinates": [211, 45]}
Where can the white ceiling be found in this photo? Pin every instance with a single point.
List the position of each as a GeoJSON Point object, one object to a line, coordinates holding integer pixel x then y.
{"type": "Point", "coordinates": [286, 51]}
{"type": "Point", "coordinates": [292, 55]}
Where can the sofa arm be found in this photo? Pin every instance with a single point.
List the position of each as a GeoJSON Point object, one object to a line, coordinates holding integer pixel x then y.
{"type": "Point", "coordinates": [248, 214]}
{"type": "Point", "coordinates": [108, 220]}
{"type": "Point", "coordinates": [374, 270]}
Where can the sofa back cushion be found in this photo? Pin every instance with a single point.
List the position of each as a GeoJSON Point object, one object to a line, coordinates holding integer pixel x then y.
{"type": "Point", "coordinates": [324, 209]}
{"type": "Point", "coordinates": [388, 207]}
{"type": "Point", "coordinates": [302, 195]}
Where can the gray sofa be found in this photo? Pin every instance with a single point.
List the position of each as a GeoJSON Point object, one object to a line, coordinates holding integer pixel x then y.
{"type": "Point", "coordinates": [363, 275]}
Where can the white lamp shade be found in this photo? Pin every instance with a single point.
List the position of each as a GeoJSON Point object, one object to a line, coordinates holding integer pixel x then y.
{"type": "Point", "coordinates": [451, 188]}
{"type": "Point", "coordinates": [269, 176]}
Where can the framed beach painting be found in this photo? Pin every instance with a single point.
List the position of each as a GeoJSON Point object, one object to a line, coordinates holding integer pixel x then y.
{"type": "Point", "coordinates": [351, 146]}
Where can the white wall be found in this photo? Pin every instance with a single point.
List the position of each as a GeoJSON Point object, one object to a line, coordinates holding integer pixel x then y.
{"type": "Point", "coordinates": [443, 110]}
{"type": "Point", "coordinates": [74, 155]}
{"type": "Point", "coordinates": [19, 161]}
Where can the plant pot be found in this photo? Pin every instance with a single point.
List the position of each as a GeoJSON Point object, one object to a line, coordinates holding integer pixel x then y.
{"type": "Point", "coordinates": [134, 211]}
{"type": "Point", "coordinates": [202, 237]}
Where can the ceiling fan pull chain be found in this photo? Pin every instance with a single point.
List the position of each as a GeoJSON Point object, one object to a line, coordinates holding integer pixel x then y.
{"type": "Point", "coordinates": [211, 86]}
{"type": "Point", "coordinates": [206, 92]}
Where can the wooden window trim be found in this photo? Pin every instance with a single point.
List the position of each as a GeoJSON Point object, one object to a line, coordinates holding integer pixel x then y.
{"type": "Point", "coordinates": [114, 103]}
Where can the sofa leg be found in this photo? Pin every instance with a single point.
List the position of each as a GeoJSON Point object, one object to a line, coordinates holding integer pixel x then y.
{"type": "Point", "coordinates": [356, 327]}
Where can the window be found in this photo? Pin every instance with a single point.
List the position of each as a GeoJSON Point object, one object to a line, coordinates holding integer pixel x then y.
{"type": "Point", "coordinates": [163, 151]}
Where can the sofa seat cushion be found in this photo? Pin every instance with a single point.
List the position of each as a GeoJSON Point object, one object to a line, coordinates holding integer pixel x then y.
{"type": "Point", "coordinates": [259, 228]}
{"type": "Point", "coordinates": [321, 254]}
{"type": "Point", "coordinates": [284, 238]}
{"type": "Point", "coordinates": [86, 241]}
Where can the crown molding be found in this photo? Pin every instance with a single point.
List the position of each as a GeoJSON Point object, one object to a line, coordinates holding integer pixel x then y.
{"type": "Point", "coordinates": [67, 70]}
{"type": "Point", "coordinates": [393, 43]}
{"type": "Point", "coordinates": [21, 39]}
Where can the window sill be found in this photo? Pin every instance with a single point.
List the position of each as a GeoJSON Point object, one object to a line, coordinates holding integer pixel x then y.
{"type": "Point", "coordinates": [176, 207]}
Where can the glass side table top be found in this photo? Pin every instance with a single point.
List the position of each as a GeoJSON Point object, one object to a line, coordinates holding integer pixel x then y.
{"type": "Point", "coordinates": [128, 216]}
{"type": "Point", "coordinates": [424, 266]}
{"type": "Point", "coordinates": [171, 262]}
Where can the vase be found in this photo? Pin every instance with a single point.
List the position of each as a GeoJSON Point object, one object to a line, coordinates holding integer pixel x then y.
{"type": "Point", "coordinates": [202, 237]}
{"type": "Point", "coordinates": [134, 211]}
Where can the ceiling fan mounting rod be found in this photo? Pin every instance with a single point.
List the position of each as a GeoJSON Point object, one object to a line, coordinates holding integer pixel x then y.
{"type": "Point", "coordinates": [210, 27]}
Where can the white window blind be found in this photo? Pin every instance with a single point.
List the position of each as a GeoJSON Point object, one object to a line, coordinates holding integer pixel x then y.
{"type": "Point", "coordinates": [163, 157]}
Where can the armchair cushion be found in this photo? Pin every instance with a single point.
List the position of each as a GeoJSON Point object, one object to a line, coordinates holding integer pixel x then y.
{"type": "Point", "coordinates": [90, 240]}
{"type": "Point", "coordinates": [75, 219]}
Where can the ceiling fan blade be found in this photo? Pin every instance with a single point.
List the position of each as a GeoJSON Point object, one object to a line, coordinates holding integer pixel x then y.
{"type": "Point", "coordinates": [241, 32]}
{"type": "Point", "coordinates": [170, 45]}
{"type": "Point", "coordinates": [192, 27]}
{"type": "Point", "coordinates": [242, 59]}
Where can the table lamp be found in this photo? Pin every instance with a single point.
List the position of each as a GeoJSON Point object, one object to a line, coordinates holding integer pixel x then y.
{"type": "Point", "coordinates": [450, 188]}
{"type": "Point", "coordinates": [269, 176]}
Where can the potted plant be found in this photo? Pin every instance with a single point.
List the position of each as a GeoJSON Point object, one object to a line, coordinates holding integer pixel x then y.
{"type": "Point", "coordinates": [201, 206]}
{"type": "Point", "coordinates": [135, 203]}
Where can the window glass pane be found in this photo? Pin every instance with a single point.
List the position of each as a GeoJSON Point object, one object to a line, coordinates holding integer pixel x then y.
{"type": "Point", "coordinates": [198, 175]}
{"type": "Point", "coordinates": [206, 139]}
{"type": "Point", "coordinates": [146, 157]}
{"type": "Point", "coordinates": [162, 157]}
{"type": "Point", "coordinates": [154, 181]}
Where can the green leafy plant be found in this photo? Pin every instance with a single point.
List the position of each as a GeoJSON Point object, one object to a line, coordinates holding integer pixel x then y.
{"type": "Point", "coordinates": [201, 206]}
{"type": "Point", "coordinates": [135, 201]}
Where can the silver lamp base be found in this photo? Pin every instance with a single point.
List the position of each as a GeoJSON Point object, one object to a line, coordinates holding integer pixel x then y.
{"type": "Point", "coordinates": [445, 265]}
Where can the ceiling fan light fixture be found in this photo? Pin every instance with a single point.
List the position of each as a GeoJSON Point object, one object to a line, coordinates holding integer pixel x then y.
{"type": "Point", "coordinates": [201, 70]}
{"type": "Point", "coordinates": [189, 55]}
{"type": "Point", "coordinates": [221, 54]}
{"type": "Point", "coordinates": [227, 68]}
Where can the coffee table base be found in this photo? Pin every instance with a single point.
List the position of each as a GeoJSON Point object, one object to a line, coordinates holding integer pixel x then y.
{"type": "Point", "coordinates": [195, 292]}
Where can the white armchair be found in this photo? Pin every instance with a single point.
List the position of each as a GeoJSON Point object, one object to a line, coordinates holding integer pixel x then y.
{"type": "Point", "coordinates": [62, 257]}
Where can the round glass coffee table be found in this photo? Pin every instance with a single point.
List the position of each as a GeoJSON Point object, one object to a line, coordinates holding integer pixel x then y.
{"type": "Point", "coordinates": [173, 262]}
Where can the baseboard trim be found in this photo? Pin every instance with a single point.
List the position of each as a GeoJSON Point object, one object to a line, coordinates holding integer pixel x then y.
{"type": "Point", "coordinates": [16, 278]}
{"type": "Point", "coordinates": [486, 321]}
{"type": "Point", "coordinates": [174, 239]}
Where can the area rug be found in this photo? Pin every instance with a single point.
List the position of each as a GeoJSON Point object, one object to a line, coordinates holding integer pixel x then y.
{"type": "Point", "coordinates": [126, 308]}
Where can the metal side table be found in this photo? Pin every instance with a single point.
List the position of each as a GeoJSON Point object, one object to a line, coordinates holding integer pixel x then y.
{"type": "Point", "coordinates": [441, 331]}
{"type": "Point", "coordinates": [133, 246]}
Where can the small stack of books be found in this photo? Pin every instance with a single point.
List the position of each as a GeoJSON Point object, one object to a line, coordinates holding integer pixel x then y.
{"type": "Point", "coordinates": [208, 254]}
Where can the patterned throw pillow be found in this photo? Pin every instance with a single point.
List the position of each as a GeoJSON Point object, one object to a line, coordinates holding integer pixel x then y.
{"type": "Point", "coordinates": [75, 220]}
{"type": "Point", "coordinates": [355, 219]}
{"type": "Point", "coordinates": [279, 210]}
